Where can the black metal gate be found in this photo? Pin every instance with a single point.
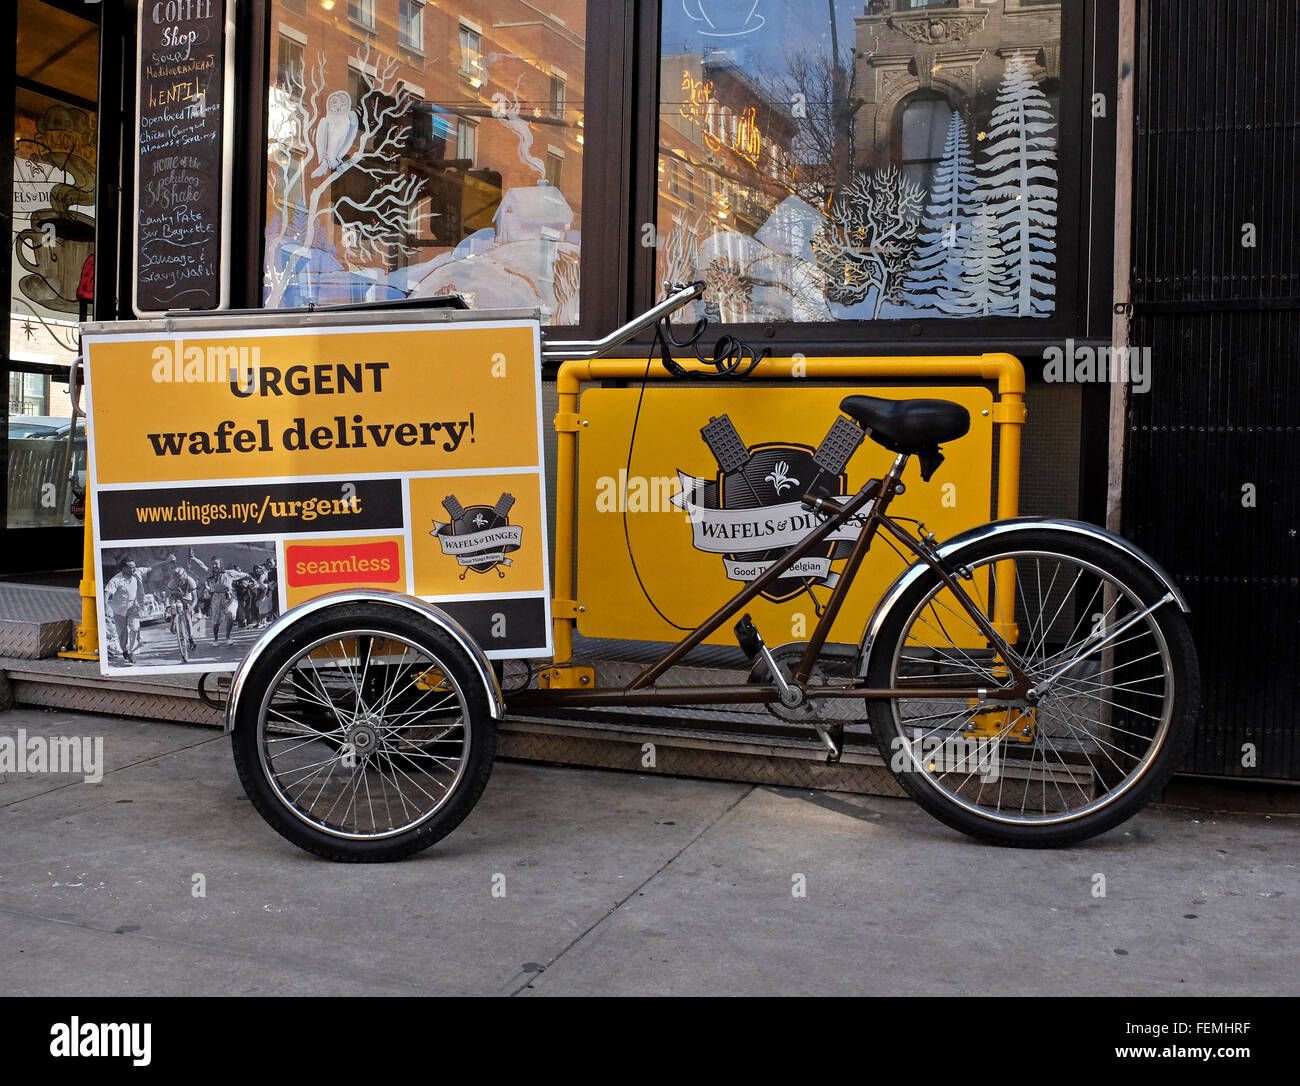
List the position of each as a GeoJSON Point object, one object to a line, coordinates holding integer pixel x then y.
{"type": "Point", "coordinates": [1212, 468]}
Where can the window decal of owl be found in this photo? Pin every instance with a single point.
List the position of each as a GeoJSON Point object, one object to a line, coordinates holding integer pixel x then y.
{"type": "Point", "coordinates": [335, 133]}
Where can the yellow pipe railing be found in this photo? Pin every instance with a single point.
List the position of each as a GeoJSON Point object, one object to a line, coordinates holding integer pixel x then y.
{"type": "Point", "coordinates": [1008, 415]}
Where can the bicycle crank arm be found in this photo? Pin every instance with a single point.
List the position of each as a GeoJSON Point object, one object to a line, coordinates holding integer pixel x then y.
{"type": "Point", "coordinates": [832, 737]}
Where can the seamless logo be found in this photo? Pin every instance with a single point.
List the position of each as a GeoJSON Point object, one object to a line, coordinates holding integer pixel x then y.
{"type": "Point", "coordinates": [348, 563]}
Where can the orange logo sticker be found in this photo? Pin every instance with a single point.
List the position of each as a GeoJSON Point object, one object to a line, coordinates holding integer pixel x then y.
{"type": "Point", "coordinates": [346, 564]}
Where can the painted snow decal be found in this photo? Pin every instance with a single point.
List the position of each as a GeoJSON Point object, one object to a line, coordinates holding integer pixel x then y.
{"type": "Point", "coordinates": [946, 232]}
{"type": "Point", "coordinates": [988, 247]}
{"type": "Point", "coordinates": [982, 288]}
{"type": "Point", "coordinates": [913, 174]}
{"type": "Point", "coordinates": [869, 240]}
{"type": "Point", "coordinates": [377, 193]}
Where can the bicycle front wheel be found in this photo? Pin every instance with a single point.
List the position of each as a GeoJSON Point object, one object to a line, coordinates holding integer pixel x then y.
{"type": "Point", "coordinates": [363, 735]}
{"type": "Point", "coordinates": [1110, 658]}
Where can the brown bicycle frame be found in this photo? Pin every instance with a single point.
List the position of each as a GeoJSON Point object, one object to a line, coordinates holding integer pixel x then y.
{"type": "Point", "coordinates": [879, 493]}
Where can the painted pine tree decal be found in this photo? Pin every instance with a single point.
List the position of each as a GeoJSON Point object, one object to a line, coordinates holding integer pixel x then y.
{"type": "Point", "coordinates": [982, 289]}
{"type": "Point", "coordinates": [1019, 186]}
{"type": "Point", "coordinates": [946, 228]}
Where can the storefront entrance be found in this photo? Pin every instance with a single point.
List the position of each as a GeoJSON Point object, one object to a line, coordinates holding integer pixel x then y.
{"type": "Point", "coordinates": [49, 190]}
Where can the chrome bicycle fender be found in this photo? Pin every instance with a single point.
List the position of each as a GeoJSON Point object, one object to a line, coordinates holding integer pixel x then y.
{"type": "Point", "coordinates": [1008, 530]}
{"type": "Point", "coordinates": [397, 600]}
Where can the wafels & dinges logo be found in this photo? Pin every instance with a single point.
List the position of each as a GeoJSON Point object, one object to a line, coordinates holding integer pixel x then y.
{"type": "Point", "coordinates": [479, 537]}
{"type": "Point", "coordinates": [751, 512]}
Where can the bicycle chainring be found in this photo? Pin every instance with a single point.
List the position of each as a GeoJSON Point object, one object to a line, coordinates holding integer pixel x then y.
{"type": "Point", "coordinates": [837, 661]}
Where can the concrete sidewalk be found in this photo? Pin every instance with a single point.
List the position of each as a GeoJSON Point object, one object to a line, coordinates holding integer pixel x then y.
{"type": "Point", "coordinates": [615, 884]}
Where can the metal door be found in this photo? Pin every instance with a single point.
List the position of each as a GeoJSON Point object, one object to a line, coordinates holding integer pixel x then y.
{"type": "Point", "coordinates": [1213, 449]}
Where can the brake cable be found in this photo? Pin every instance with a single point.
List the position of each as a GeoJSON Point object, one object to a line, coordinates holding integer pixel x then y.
{"type": "Point", "coordinates": [731, 357]}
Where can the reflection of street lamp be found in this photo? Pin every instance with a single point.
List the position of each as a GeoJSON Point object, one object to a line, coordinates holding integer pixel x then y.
{"type": "Point", "coordinates": [840, 154]}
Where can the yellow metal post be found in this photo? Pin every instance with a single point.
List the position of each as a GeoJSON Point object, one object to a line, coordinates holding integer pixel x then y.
{"type": "Point", "coordinates": [564, 608]}
{"type": "Point", "coordinates": [1010, 416]}
{"type": "Point", "coordinates": [87, 645]}
{"type": "Point", "coordinates": [566, 468]}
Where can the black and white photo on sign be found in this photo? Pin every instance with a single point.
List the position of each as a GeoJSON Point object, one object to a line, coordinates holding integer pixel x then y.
{"type": "Point", "coordinates": [174, 604]}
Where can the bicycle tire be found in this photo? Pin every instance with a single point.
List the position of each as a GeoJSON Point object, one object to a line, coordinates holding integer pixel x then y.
{"type": "Point", "coordinates": [1103, 740]}
{"type": "Point", "coordinates": [387, 692]}
{"type": "Point", "coordinates": [180, 629]}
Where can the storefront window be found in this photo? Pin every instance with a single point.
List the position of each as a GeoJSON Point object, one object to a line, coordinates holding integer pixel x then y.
{"type": "Point", "coordinates": [889, 160]}
{"type": "Point", "coordinates": [439, 153]}
{"type": "Point", "coordinates": [55, 153]}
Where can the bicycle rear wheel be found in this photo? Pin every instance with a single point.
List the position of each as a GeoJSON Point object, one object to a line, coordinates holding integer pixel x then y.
{"type": "Point", "coordinates": [1110, 656]}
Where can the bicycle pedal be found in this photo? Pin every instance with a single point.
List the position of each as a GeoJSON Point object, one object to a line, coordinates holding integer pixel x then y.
{"type": "Point", "coordinates": [747, 636]}
{"type": "Point", "coordinates": [835, 746]}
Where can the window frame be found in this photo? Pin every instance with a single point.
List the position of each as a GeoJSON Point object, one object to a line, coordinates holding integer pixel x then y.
{"type": "Point", "coordinates": [898, 137]}
{"type": "Point", "coordinates": [414, 18]}
{"type": "Point", "coordinates": [470, 69]}
{"type": "Point", "coordinates": [554, 165]}
{"type": "Point", "coordinates": [52, 547]}
{"type": "Point", "coordinates": [609, 79]}
{"type": "Point", "coordinates": [466, 134]}
{"type": "Point", "coordinates": [365, 14]}
{"type": "Point", "coordinates": [620, 193]}
{"type": "Point", "coordinates": [1084, 210]}
{"type": "Point", "coordinates": [284, 36]}
{"type": "Point", "coordinates": [558, 98]}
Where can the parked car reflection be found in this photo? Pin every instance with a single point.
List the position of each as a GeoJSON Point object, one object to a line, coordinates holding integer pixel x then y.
{"type": "Point", "coordinates": [47, 471]}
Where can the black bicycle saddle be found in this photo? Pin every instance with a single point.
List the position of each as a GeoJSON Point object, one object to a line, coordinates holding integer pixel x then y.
{"type": "Point", "coordinates": [908, 426]}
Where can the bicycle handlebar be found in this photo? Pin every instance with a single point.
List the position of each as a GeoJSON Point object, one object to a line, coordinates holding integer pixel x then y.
{"type": "Point", "coordinates": [583, 349]}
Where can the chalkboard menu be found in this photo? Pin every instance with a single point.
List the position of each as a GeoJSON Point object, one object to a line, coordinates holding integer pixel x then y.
{"type": "Point", "coordinates": [182, 183]}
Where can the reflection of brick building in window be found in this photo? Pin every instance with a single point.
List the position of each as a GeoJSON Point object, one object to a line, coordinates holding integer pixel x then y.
{"type": "Point", "coordinates": [918, 62]}
{"type": "Point", "coordinates": [496, 103]}
{"type": "Point", "coordinates": [724, 150]}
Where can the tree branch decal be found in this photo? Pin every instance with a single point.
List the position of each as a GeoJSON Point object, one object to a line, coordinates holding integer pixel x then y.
{"type": "Point", "coordinates": [869, 241]}
{"type": "Point", "coordinates": [310, 150]}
